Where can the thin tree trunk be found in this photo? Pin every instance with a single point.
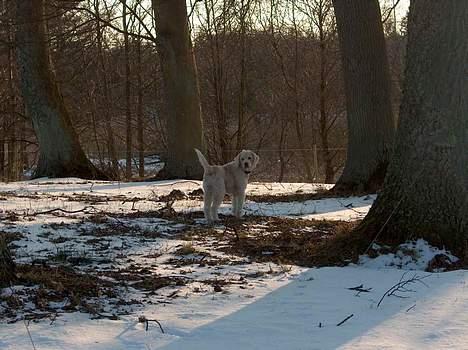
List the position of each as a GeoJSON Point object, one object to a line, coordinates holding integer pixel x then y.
{"type": "Point", "coordinates": [128, 107]}
{"type": "Point", "coordinates": [60, 153]}
{"type": "Point", "coordinates": [281, 145]}
{"type": "Point", "coordinates": [218, 80]}
{"type": "Point", "coordinates": [12, 132]}
{"type": "Point", "coordinates": [298, 117]}
{"type": "Point", "coordinates": [241, 107]}
{"type": "Point", "coordinates": [426, 189]}
{"type": "Point", "coordinates": [140, 126]}
{"type": "Point", "coordinates": [111, 152]}
{"type": "Point", "coordinates": [323, 121]}
{"type": "Point", "coordinates": [184, 126]}
{"type": "Point", "coordinates": [2, 150]}
{"type": "Point", "coordinates": [371, 125]}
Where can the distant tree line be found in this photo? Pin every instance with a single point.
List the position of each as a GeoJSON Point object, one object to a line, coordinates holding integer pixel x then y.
{"type": "Point", "coordinates": [269, 77]}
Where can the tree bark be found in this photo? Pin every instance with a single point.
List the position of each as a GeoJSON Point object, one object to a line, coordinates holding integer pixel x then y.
{"type": "Point", "coordinates": [371, 125]}
{"type": "Point", "coordinates": [425, 192]}
{"type": "Point", "coordinates": [60, 154]}
{"type": "Point", "coordinates": [181, 88]}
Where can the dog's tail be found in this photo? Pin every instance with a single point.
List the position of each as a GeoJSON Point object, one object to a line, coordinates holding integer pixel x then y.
{"type": "Point", "coordinates": [202, 160]}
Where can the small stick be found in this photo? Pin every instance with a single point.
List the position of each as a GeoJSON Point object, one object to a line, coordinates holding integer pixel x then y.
{"type": "Point", "coordinates": [29, 334]}
{"type": "Point", "coordinates": [146, 322]}
{"type": "Point", "coordinates": [159, 324]}
{"type": "Point", "coordinates": [62, 210]}
{"type": "Point", "coordinates": [346, 319]}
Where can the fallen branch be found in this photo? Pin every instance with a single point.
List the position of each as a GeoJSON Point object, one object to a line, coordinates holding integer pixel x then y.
{"type": "Point", "coordinates": [63, 211]}
{"type": "Point", "coordinates": [361, 289]}
{"type": "Point", "coordinates": [346, 319]}
{"type": "Point", "coordinates": [29, 334]}
{"type": "Point", "coordinates": [402, 286]}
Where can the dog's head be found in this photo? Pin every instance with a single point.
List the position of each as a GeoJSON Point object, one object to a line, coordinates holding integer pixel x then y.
{"type": "Point", "coordinates": [247, 160]}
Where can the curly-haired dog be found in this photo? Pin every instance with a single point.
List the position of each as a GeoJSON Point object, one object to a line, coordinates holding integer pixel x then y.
{"type": "Point", "coordinates": [229, 178]}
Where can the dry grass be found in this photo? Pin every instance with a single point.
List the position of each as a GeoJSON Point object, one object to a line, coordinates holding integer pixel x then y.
{"type": "Point", "coordinates": [59, 285]}
{"type": "Point", "coordinates": [301, 196]}
{"type": "Point", "coordinates": [7, 265]}
{"type": "Point", "coordinates": [285, 241]}
{"type": "Point", "coordinates": [186, 249]}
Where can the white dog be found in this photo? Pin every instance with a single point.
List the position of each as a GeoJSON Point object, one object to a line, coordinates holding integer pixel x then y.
{"type": "Point", "coordinates": [229, 178]}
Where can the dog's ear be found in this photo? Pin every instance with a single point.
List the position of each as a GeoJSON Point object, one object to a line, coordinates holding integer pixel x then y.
{"type": "Point", "coordinates": [237, 159]}
{"type": "Point", "coordinates": [256, 158]}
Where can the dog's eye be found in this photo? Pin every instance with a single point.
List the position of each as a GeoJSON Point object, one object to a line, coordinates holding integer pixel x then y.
{"type": "Point", "coordinates": [250, 158]}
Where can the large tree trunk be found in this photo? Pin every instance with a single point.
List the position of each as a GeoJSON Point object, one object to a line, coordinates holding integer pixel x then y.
{"type": "Point", "coordinates": [181, 88]}
{"type": "Point", "coordinates": [371, 125]}
{"type": "Point", "coordinates": [60, 152]}
{"type": "Point", "coordinates": [426, 189]}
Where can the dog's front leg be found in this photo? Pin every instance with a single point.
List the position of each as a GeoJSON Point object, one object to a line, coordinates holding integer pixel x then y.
{"type": "Point", "coordinates": [237, 204]}
{"type": "Point", "coordinates": [240, 204]}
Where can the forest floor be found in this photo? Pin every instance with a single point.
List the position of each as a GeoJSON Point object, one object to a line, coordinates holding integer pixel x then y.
{"type": "Point", "coordinates": [108, 265]}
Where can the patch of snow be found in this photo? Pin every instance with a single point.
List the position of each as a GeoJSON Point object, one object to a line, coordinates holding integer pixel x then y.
{"type": "Point", "coordinates": [413, 255]}
{"type": "Point", "coordinates": [263, 305]}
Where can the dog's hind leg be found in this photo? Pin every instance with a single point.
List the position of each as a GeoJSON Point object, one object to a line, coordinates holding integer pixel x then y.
{"type": "Point", "coordinates": [207, 204]}
{"type": "Point", "coordinates": [217, 200]}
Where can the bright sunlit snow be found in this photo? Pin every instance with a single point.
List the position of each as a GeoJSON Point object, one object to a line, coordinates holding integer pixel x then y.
{"type": "Point", "coordinates": [262, 305]}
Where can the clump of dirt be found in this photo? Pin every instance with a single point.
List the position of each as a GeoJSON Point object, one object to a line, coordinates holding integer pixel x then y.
{"type": "Point", "coordinates": [442, 262]}
{"type": "Point", "coordinates": [196, 194]}
{"type": "Point", "coordinates": [154, 283]}
{"type": "Point", "coordinates": [66, 282]}
{"type": "Point", "coordinates": [173, 196]}
{"type": "Point", "coordinates": [52, 290]}
{"type": "Point", "coordinates": [10, 236]}
{"type": "Point", "coordinates": [10, 216]}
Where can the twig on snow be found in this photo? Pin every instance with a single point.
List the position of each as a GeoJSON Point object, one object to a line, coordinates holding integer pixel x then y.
{"type": "Point", "coordinates": [146, 321]}
{"type": "Point", "coordinates": [402, 286]}
{"type": "Point", "coordinates": [360, 289]}
{"type": "Point", "coordinates": [346, 319]}
{"type": "Point", "coordinates": [63, 211]}
{"type": "Point", "coordinates": [29, 334]}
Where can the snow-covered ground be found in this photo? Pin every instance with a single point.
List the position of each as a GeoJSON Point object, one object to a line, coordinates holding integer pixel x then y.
{"type": "Point", "coordinates": [120, 233]}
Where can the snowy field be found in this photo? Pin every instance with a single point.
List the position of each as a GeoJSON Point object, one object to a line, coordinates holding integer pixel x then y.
{"type": "Point", "coordinates": [107, 256]}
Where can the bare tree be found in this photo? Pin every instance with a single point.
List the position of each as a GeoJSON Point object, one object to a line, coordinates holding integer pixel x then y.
{"type": "Point", "coordinates": [214, 26]}
{"type": "Point", "coordinates": [128, 106]}
{"type": "Point", "coordinates": [104, 80]}
{"type": "Point", "coordinates": [425, 192]}
{"type": "Point", "coordinates": [371, 125]}
{"type": "Point", "coordinates": [60, 152]}
{"type": "Point", "coordinates": [140, 126]}
{"type": "Point", "coordinates": [181, 88]}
